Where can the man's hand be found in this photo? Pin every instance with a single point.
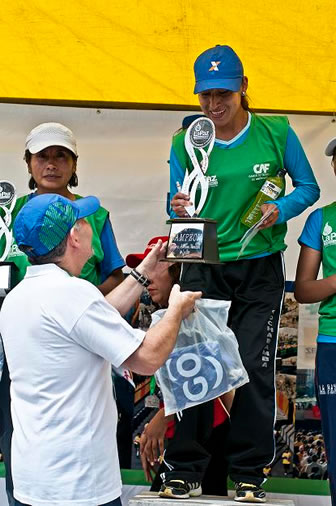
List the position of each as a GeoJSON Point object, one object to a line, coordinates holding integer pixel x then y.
{"type": "Point", "coordinates": [184, 300]}
{"type": "Point", "coordinates": [150, 262]}
{"type": "Point", "coordinates": [270, 221]}
{"type": "Point", "coordinates": [178, 204]}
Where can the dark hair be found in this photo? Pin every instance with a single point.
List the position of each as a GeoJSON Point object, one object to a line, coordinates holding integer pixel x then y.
{"type": "Point", "coordinates": [245, 102]}
{"type": "Point", "coordinates": [73, 181]}
{"type": "Point", "coordinates": [174, 272]}
{"type": "Point", "coordinates": [53, 257]}
{"type": "Point", "coordinates": [333, 157]}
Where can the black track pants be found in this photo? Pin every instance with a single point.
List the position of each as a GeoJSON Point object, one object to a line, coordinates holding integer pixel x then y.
{"type": "Point", "coordinates": [256, 289]}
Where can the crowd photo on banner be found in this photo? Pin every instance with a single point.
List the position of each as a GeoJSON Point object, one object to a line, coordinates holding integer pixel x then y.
{"type": "Point", "coordinates": [193, 359]}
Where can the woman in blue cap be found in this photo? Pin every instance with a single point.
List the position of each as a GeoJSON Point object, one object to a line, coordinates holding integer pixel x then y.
{"type": "Point", "coordinates": [248, 149]}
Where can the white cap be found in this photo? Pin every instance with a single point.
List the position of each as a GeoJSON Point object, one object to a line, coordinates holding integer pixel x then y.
{"type": "Point", "coordinates": [329, 150]}
{"type": "Point", "coordinates": [50, 134]}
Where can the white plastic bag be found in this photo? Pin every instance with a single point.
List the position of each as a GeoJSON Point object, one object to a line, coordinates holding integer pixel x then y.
{"type": "Point", "coordinates": [205, 362]}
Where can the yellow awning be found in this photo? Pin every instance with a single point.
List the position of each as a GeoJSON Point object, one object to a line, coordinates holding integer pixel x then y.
{"type": "Point", "coordinates": [142, 52]}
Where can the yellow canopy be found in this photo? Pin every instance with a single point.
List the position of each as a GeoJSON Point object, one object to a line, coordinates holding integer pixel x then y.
{"type": "Point", "coordinates": [142, 51]}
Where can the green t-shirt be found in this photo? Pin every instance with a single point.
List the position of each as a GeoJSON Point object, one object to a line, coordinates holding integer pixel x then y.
{"type": "Point", "coordinates": [90, 271]}
{"type": "Point", "coordinates": [235, 176]}
{"type": "Point", "coordinates": [327, 308]}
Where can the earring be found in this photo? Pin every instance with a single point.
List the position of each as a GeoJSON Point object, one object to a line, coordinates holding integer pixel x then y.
{"type": "Point", "coordinates": [243, 93]}
{"type": "Point", "coordinates": [73, 180]}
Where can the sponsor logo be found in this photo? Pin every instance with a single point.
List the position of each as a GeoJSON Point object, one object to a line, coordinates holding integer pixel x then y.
{"type": "Point", "coordinates": [327, 229]}
{"type": "Point", "coordinates": [7, 193]}
{"type": "Point", "coordinates": [212, 181]}
{"type": "Point", "coordinates": [328, 236]}
{"type": "Point", "coordinates": [15, 251]}
{"type": "Point", "coordinates": [328, 389]}
{"type": "Point", "coordinates": [260, 171]}
{"type": "Point", "coordinates": [270, 336]}
{"type": "Point", "coordinates": [214, 66]}
{"type": "Point", "coordinates": [261, 168]}
{"type": "Point", "coordinates": [199, 133]}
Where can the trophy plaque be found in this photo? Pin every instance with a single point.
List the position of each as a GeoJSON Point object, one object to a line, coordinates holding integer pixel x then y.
{"type": "Point", "coordinates": [194, 239]}
{"type": "Point", "coordinates": [7, 269]}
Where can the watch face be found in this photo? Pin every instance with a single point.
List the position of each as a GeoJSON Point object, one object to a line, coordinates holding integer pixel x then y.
{"type": "Point", "coordinates": [7, 192]}
{"type": "Point", "coordinates": [201, 132]}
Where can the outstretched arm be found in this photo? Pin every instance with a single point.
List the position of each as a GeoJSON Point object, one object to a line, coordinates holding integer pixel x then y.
{"type": "Point", "coordinates": [125, 295]}
{"type": "Point", "coordinates": [160, 339]}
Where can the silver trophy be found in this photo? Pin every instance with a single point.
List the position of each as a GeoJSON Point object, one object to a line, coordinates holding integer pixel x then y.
{"type": "Point", "coordinates": [194, 239]}
{"type": "Point", "coordinates": [200, 134]}
{"type": "Point", "coordinates": [7, 203]}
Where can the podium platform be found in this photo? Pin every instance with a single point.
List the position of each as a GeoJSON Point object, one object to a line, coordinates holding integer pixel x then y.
{"type": "Point", "coordinates": [152, 499]}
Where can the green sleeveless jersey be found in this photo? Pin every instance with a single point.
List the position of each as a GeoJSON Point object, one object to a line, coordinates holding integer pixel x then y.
{"type": "Point", "coordinates": [235, 177]}
{"type": "Point", "coordinates": [90, 271]}
{"type": "Point", "coordinates": [327, 308]}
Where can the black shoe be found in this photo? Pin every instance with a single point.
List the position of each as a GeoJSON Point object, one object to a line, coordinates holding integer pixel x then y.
{"type": "Point", "coordinates": [247, 492]}
{"type": "Point", "coordinates": [180, 489]}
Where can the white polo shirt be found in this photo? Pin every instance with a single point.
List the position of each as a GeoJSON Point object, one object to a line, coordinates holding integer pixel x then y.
{"type": "Point", "coordinates": [60, 335]}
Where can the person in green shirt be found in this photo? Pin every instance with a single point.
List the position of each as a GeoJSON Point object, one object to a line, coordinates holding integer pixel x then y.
{"type": "Point", "coordinates": [318, 248]}
{"type": "Point", "coordinates": [51, 155]}
{"type": "Point", "coordinates": [248, 149]}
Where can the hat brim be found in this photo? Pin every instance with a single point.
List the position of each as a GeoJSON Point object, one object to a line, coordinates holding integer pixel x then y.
{"type": "Point", "coordinates": [86, 206]}
{"type": "Point", "coordinates": [224, 84]}
{"type": "Point", "coordinates": [39, 146]}
{"type": "Point", "coordinates": [133, 260]}
{"type": "Point", "coordinates": [329, 150]}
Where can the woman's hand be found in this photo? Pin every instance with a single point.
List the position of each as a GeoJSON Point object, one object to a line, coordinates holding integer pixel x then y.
{"type": "Point", "coordinates": [152, 442]}
{"type": "Point", "coordinates": [178, 204]}
{"type": "Point", "coordinates": [270, 221]}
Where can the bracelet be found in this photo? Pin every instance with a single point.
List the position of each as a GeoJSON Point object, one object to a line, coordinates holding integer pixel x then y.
{"type": "Point", "coordinates": [140, 278]}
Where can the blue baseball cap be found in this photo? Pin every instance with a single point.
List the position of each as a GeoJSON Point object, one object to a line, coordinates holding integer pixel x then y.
{"type": "Point", "coordinates": [46, 219]}
{"type": "Point", "coordinates": [218, 67]}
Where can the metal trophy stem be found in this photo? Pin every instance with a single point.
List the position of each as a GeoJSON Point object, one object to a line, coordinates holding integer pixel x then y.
{"type": "Point", "coordinates": [200, 134]}
{"type": "Point", "coordinates": [194, 239]}
{"type": "Point", "coordinates": [7, 197]}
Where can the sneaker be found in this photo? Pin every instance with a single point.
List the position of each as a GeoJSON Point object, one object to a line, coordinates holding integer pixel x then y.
{"type": "Point", "coordinates": [247, 492]}
{"type": "Point", "coordinates": [180, 489]}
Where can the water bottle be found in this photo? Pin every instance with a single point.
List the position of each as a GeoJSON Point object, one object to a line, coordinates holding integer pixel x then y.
{"type": "Point", "coordinates": [270, 190]}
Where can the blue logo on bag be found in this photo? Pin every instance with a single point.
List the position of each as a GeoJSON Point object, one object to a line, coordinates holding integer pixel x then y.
{"type": "Point", "coordinates": [196, 374]}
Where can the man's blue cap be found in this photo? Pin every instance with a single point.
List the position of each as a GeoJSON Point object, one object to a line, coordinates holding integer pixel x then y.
{"type": "Point", "coordinates": [46, 219]}
{"type": "Point", "coordinates": [218, 67]}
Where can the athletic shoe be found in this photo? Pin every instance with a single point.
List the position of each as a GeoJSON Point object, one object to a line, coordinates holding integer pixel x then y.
{"type": "Point", "coordinates": [247, 492]}
{"type": "Point", "coordinates": [180, 489]}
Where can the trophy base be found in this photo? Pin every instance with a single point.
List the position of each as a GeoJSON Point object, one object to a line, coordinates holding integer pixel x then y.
{"type": "Point", "coordinates": [192, 240]}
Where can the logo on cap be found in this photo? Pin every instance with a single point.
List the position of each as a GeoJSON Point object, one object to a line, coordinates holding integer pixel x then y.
{"type": "Point", "coordinates": [214, 66]}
